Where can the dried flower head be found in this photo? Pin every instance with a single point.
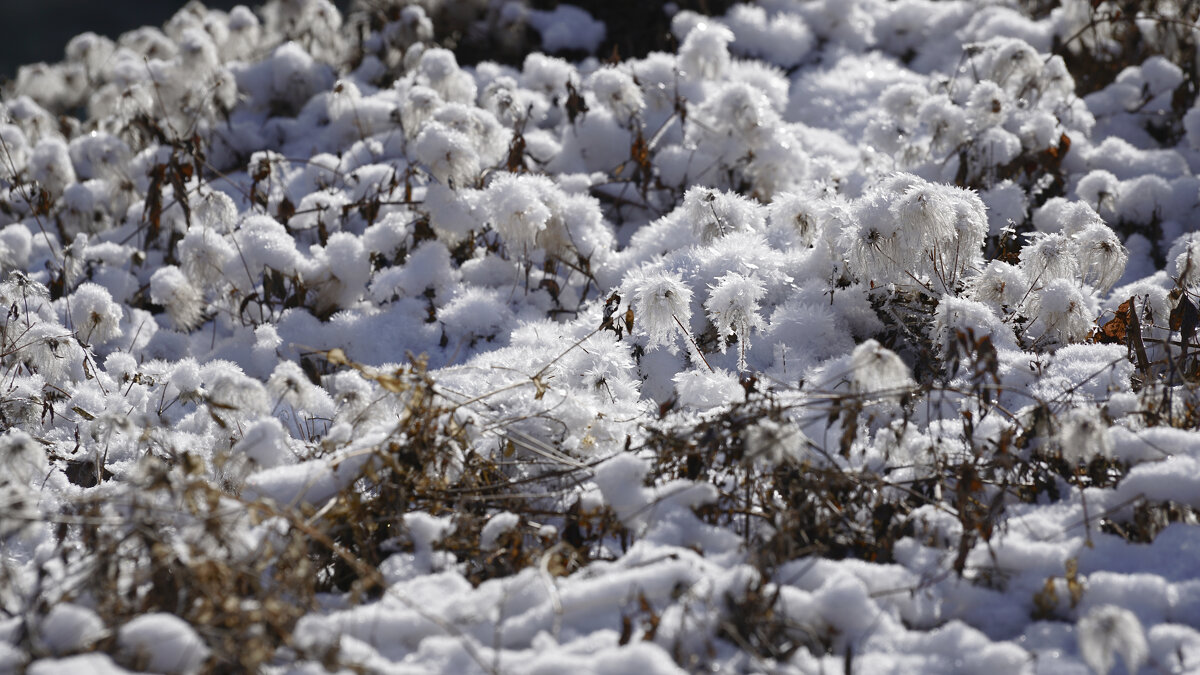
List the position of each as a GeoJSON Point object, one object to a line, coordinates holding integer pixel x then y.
{"type": "Point", "coordinates": [878, 370]}
{"type": "Point", "coordinates": [732, 307]}
{"type": "Point", "coordinates": [1084, 435]}
{"type": "Point", "coordinates": [1062, 311]}
{"type": "Point", "coordinates": [663, 305]}
{"type": "Point", "coordinates": [94, 315]}
{"type": "Point", "coordinates": [1107, 630]}
{"type": "Point", "coordinates": [1101, 256]}
{"type": "Point", "coordinates": [183, 302]}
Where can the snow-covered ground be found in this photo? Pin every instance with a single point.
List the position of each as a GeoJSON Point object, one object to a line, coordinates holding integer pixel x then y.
{"type": "Point", "coordinates": [851, 336]}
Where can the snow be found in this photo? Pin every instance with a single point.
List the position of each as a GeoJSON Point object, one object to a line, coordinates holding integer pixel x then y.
{"type": "Point", "coordinates": [68, 628]}
{"type": "Point", "coordinates": [162, 643]}
{"type": "Point", "coordinates": [567, 27]}
{"type": "Point", "coordinates": [849, 335]}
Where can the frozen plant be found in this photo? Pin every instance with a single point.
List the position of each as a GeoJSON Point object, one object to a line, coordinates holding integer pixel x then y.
{"type": "Point", "coordinates": [22, 461]}
{"type": "Point", "coordinates": [615, 89]}
{"type": "Point", "coordinates": [774, 442]}
{"type": "Point", "coordinates": [1100, 189]}
{"type": "Point", "coordinates": [948, 225]}
{"type": "Point", "coordinates": [732, 307]}
{"type": "Point", "coordinates": [94, 314]}
{"type": "Point", "coordinates": [204, 254]}
{"type": "Point", "coordinates": [745, 113]}
{"type": "Point", "coordinates": [1061, 310]}
{"type": "Point", "coordinates": [183, 301]}
{"type": "Point", "coordinates": [518, 213]}
{"type": "Point", "coordinates": [947, 123]}
{"type": "Point", "coordinates": [1084, 435]}
{"type": "Point", "coordinates": [1107, 630]}
{"type": "Point", "coordinates": [1049, 257]}
{"type": "Point", "coordinates": [343, 271]}
{"type": "Point", "coordinates": [50, 165]}
{"type": "Point", "coordinates": [878, 371]}
{"type": "Point", "coordinates": [803, 214]}
{"type": "Point", "coordinates": [704, 53]}
{"type": "Point", "coordinates": [449, 155]}
{"type": "Point", "coordinates": [987, 105]}
{"type": "Point", "coordinates": [663, 305]}
{"type": "Point", "coordinates": [438, 69]}
{"type": "Point", "coordinates": [913, 233]}
{"type": "Point", "coordinates": [715, 213]}
{"type": "Point", "coordinates": [1003, 284]}
{"type": "Point", "coordinates": [1101, 256]}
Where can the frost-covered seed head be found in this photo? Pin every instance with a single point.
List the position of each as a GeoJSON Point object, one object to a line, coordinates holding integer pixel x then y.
{"type": "Point", "coordinates": [50, 165]}
{"type": "Point", "coordinates": [926, 215]}
{"type": "Point", "coordinates": [48, 350]}
{"type": "Point", "coordinates": [185, 378]}
{"type": "Point", "coordinates": [704, 53]}
{"type": "Point", "coordinates": [289, 384]}
{"type": "Point", "coordinates": [745, 112]}
{"type": "Point", "coordinates": [547, 75]}
{"type": "Point", "coordinates": [1084, 435]}
{"type": "Point", "coordinates": [22, 460]}
{"type": "Point", "coordinates": [1048, 257]}
{"type": "Point", "coordinates": [1062, 309]}
{"type": "Point", "coordinates": [714, 214]}
{"type": "Point", "coordinates": [183, 302]}
{"type": "Point", "coordinates": [204, 253]}
{"type": "Point", "coordinates": [662, 303]}
{"type": "Point", "coordinates": [439, 69]}
{"type": "Point", "coordinates": [801, 213]}
{"type": "Point", "coordinates": [871, 252]}
{"type": "Point", "coordinates": [988, 105]}
{"type": "Point", "coordinates": [197, 53]}
{"type": "Point", "coordinates": [1055, 79]}
{"type": "Point", "coordinates": [233, 394]}
{"type": "Point", "coordinates": [517, 210]}
{"type": "Point", "coordinates": [1015, 64]}
{"type": "Point", "coordinates": [878, 370]}
{"type": "Point", "coordinates": [1107, 630]}
{"type": "Point", "coordinates": [500, 98]}
{"type": "Point", "coordinates": [946, 122]}
{"type": "Point", "coordinates": [1100, 189]}
{"type": "Point", "coordinates": [732, 307]}
{"type": "Point", "coordinates": [1060, 215]}
{"type": "Point", "coordinates": [1000, 283]}
{"type": "Point", "coordinates": [903, 100]}
{"type": "Point", "coordinates": [94, 314]}
{"type": "Point", "coordinates": [1101, 256]}
{"type": "Point", "coordinates": [773, 443]}
{"type": "Point", "coordinates": [615, 89]}
{"type": "Point", "coordinates": [449, 154]}
{"type": "Point", "coordinates": [420, 104]}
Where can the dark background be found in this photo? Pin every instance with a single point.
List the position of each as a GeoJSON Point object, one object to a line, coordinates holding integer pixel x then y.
{"type": "Point", "coordinates": [38, 30]}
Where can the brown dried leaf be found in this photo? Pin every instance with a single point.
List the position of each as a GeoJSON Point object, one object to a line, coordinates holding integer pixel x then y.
{"type": "Point", "coordinates": [575, 103]}
{"type": "Point", "coordinates": [285, 211]}
{"type": "Point", "coordinates": [1116, 330]}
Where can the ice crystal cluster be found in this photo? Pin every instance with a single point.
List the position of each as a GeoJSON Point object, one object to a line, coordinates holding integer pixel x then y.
{"type": "Point", "coordinates": [826, 335]}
